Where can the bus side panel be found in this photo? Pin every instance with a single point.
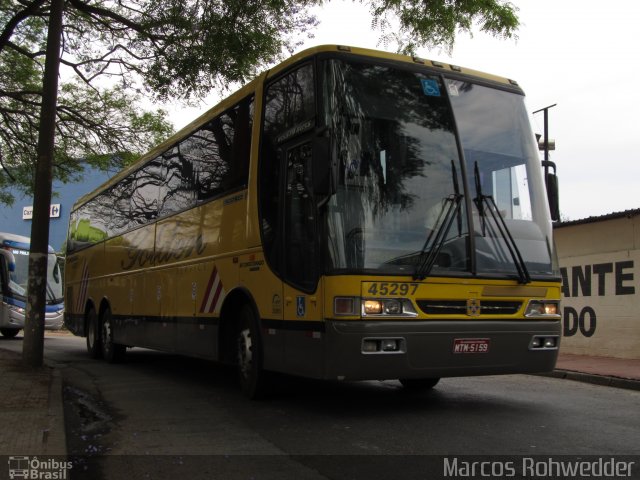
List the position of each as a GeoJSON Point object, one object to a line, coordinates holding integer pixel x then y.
{"type": "Point", "coordinates": [129, 329]}
{"type": "Point", "coordinates": [256, 277]}
{"type": "Point", "coordinates": [194, 335]}
{"type": "Point", "coordinates": [80, 270]}
{"type": "Point", "coordinates": [304, 331]}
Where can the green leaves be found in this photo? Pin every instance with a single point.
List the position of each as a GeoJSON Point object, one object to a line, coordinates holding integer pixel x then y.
{"type": "Point", "coordinates": [113, 50]}
{"type": "Point", "coordinates": [416, 23]}
{"type": "Point", "coordinates": [210, 44]}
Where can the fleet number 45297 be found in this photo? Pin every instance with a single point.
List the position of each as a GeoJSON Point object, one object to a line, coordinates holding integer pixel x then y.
{"type": "Point", "coordinates": [392, 288]}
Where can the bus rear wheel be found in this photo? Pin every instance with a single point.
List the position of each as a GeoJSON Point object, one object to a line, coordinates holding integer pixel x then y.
{"type": "Point", "coordinates": [9, 332]}
{"type": "Point", "coordinates": [112, 352]}
{"type": "Point", "coordinates": [94, 343]}
{"type": "Point", "coordinates": [419, 384]}
{"type": "Point", "coordinates": [252, 377]}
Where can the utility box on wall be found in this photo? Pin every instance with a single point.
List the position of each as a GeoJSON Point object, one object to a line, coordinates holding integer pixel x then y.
{"type": "Point", "coordinates": [600, 266]}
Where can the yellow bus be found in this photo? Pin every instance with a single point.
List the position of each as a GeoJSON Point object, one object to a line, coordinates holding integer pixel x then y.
{"type": "Point", "coordinates": [349, 214]}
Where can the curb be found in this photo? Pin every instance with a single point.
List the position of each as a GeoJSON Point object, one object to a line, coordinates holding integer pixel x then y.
{"type": "Point", "coordinates": [56, 437]}
{"type": "Point", "coordinates": [603, 380]}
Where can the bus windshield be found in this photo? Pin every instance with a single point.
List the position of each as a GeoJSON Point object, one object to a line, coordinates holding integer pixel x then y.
{"type": "Point", "coordinates": [399, 140]}
{"type": "Point", "coordinates": [19, 277]}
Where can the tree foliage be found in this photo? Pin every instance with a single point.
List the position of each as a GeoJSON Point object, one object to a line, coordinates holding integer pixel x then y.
{"type": "Point", "coordinates": [411, 24]}
{"type": "Point", "coordinates": [114, 52]}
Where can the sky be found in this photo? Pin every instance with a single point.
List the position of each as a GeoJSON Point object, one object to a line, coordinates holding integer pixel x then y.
{"type": "Point", "coordinates": [579, 54]}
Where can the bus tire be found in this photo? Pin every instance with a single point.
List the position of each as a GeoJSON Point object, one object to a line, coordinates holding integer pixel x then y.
{"type": "Point", "coordinates": [94, 343]}
{"type": "Point", "coordinates": [253, 379]}
{"type": "Point", "coordinates": [112, 352]}
{"type": "Point", "coordinates": [419, 384]}
{"type": "Point", "coordinates": [9, 332]}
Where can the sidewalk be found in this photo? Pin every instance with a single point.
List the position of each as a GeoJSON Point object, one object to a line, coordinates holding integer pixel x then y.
{"type": "Point", "coordinates": [31, 412]}
{"type": "Point", "coordinates": [612, 372]}
{"type": "Point", "coordinates": [31, 406]}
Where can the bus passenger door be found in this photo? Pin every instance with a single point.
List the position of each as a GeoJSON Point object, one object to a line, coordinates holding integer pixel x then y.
{"type": "Point", "coordinates": [302, 293]}
{"type": "Point", "coordinates": [303, 329]}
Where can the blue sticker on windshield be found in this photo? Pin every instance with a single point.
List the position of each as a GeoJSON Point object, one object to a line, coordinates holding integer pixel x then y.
{"type": "Point", "coordinates": [430, 87]}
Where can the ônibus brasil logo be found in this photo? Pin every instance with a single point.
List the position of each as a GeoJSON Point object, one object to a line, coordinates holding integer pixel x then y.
{"type": "Point", "coordinates": [36, 469]}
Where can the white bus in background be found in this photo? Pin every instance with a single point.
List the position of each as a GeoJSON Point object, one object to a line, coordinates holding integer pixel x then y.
{"type": "Point", "coordinates": [14, 268]}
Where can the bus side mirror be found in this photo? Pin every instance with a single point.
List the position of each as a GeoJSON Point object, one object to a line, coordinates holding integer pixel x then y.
{"type": "Point", "coordinates": [9, 260]}
{"type": "Point", "coordinates": [553, 196]}
{"type": "Point", "coordinates": [7, 265]}
{"type": "Point", "coordinates": [321, 166]}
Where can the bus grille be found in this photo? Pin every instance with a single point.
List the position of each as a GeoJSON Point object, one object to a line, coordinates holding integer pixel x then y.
{"type": "Point", "coordinates": [459, 307]}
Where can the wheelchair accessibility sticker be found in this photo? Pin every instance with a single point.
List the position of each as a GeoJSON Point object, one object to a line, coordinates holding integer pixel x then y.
{"type": "Point", "coordinates": [301, 308]}
{"type": "Point", "coordinates": [430, 87]}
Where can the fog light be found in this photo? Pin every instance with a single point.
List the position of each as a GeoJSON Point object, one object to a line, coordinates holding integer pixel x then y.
{"type": "Point", "coordinates": [389, 345]}
{"type": "Point", "coordinates": [372, 307]}
{"type": "Point", "coordinates": [544, 343]}
{"type": "Point", "coordinates": [369, 346]}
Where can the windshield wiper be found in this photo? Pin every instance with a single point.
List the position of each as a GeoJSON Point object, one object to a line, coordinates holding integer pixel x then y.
{"type": "Point", "coordinates": [436, 238]}
{"type": "Point", "coordinates": [486, 203]}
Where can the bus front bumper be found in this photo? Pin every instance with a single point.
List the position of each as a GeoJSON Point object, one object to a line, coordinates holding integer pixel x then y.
{"type": "Point", "coordinates": [369, 350]}
{"type": "Point", "coordinates": [15, 317]}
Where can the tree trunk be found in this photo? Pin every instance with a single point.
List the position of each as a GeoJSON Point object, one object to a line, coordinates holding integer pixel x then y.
{"type": "Point", "coordinates": [33, 345]}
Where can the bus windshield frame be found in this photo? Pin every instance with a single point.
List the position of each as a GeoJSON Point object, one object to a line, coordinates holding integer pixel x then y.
{"type": "Point", "coordinates": [405, 140]}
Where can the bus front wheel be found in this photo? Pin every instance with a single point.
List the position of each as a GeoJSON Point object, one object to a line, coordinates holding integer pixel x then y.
{"type": "Point", "coordinates": [252, 378]}
{"type": "Point", "coordinates": [419, 384]}
{"type": "Point", "coordinates": [94, 343]}
{"type": "Point", "coordinates": [9, 332]}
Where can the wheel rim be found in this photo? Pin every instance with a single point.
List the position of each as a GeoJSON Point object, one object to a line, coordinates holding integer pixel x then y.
{"type": "Point", "coordinates": [106, 334]}
{"type": "Point", "coordinates": [245, 352]}
{"type": "Point", "coordinates": [91, 333]}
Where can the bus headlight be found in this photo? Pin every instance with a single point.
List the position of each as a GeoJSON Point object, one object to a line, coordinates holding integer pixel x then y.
{"type": "Point", "coordinates": [374, 307]}
{"type": "Point", "coordinates": [393, 307]}
{"type": "Point", "coordinates": [543, 308]}
{"type": "Point", "coordinates": [16, 309]}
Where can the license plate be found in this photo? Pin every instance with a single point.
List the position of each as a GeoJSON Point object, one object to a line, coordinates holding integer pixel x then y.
{"type": "Point", "coordinates": [471, 345]}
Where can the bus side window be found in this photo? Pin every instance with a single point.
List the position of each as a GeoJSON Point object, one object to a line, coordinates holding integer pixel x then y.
{"type": "Point", "coordinates": [289, 112]}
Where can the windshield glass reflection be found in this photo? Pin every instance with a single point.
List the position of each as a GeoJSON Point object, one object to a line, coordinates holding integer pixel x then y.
{"type": "Point", "coordinates": [394, 143]}
{"type": "Point", "coordinates": [496, 139]}
{"type": "Point", "coordinates": [19, 277]}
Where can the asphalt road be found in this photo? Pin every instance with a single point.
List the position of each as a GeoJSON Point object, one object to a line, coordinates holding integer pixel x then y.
{"type": "Point", "coordinates": [158, 415]}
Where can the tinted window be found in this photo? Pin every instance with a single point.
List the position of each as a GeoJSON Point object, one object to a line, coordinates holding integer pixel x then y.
{"type": "Point", "coordinates": [290, 105]}
{"type": "Point", "coordinates": [211, 161]}
{"type": "Point", "coordinates": [178, 190]}
{"type": "Point", "coordinates": [208, 163]}
{"type": "Point", "coordinates": [289, 112]}
{"type": "Point", "coordinates": [144, 200]}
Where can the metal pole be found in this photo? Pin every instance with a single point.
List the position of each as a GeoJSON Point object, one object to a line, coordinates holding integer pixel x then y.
{"type": "Point", "coordinates": [546, 142]}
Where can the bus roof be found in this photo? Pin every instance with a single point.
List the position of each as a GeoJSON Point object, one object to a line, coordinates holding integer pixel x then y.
{"type": "Point", "coordinates": [251, 87]}
{"type": "Point", "coordinates": [10, 240]}
{"type": "Point", "coordinates": [367, 52]}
